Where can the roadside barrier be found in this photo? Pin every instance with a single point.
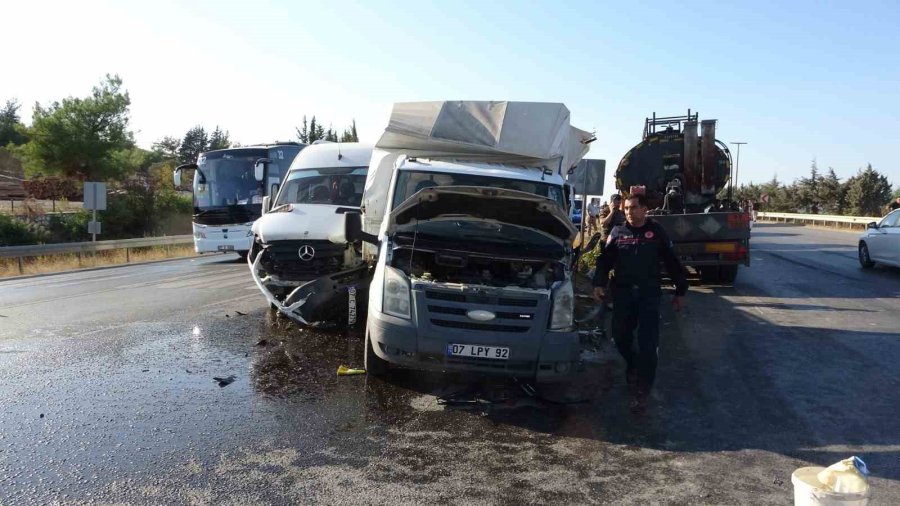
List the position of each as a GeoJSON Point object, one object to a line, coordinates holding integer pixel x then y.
{"type": "Point", "coordinates": [824, 220]}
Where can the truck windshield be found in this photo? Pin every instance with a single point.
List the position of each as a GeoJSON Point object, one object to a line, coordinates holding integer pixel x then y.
{"type": "Point", "coordinates": [410, 181]}
{"type": "Point", "coordinates": [342, 186]}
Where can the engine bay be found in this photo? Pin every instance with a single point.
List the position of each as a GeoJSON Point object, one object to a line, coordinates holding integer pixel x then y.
{"type": "Point", "coordinates": [465, 268]}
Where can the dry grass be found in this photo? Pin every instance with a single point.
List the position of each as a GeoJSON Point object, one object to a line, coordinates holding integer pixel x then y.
{"type": "Point", "coordinates": [59, 263]}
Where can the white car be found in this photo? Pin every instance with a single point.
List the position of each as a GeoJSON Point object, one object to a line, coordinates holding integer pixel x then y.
{"type": "Point", "coordinates": [881, 242]}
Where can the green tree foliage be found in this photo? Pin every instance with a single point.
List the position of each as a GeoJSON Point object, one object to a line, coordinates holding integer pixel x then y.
{"type": "Point", "coordinates": [195, 142]}
{"type": "Point", "coordinates": [806, 190]}
{"type": "Point", "coordinates": [81, 137]}
{"type": "Point", "coordinates": [14, 232]}
{"type": "Point", "coordinates": [331, 135]}
{"type": "Point", "coordinates": [831, 194]}
{"type": "Point", "coordinates": [350, 135]}
{"type": "Point", "coordinates": [867, 192]}
{"type": "Point", "coordinates": [12, 131]}
{"type": "Point", "coordinates": [303, 133]}
{"type": "Point", "coordinates": [313, 131]}
{"type": "Point", "coordinates": [167, 148]}
{"type": "Point", "coordinates": [218, 140]}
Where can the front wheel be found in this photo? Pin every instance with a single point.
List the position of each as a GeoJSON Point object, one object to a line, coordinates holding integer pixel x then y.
{"type": "Point", "coordinates": [864, 259]}
{"type": "Point", "coordinates": [375, 365]}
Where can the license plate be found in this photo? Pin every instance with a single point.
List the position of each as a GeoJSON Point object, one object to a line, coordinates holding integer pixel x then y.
{"type": "Point", "coordinates": [226, 247]}
{"type": "Point", "coordinates": [477, 351]}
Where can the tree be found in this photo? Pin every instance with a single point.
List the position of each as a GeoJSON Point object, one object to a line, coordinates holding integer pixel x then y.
{"type": "Point", "coordinates": [81, 137]}
{"type": "Point", "coordinates": [314, 131]}
{"type": "Point", "coordinates": [831, 194]}
{"type": "Point", "coordinates": [195, 142]}
{"type": "Point", "coordinates": [807, 189]}
{"type": "Point", "coordinates": [11, 127]}
{"type": "Point", "coordinates": [331, 135]}
{"type": "Point", "coordinates": [218, 140]}
{"type": "Point", "coordinates": [303, 133]}
{"type": "Point", "coordinates": [167, 147]}
{"type": "Point", "coordinates": [350, 135]}
{"type": "Point", "coordinates": [867, 192]}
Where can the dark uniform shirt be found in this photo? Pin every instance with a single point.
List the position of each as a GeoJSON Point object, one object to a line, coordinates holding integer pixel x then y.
{"type": "Point", "coordinates": [635, 253]}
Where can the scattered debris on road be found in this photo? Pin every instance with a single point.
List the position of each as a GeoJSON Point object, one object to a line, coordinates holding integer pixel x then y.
{"type": "Point", "coordinates": [240, 313]}
{"type": "Point", "coordinates": [225, 381]}
{"type": "Point", "coordinates": [262, 342]}
{"type": "Point", "coordinates": [346, 371]}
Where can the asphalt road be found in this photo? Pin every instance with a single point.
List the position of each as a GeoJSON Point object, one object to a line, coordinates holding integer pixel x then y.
{"type": "Point", "coordinates": [107, 395]}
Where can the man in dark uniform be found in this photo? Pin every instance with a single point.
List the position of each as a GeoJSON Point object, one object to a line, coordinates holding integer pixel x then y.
{"type": "Point", "coordinates": [635, 251]}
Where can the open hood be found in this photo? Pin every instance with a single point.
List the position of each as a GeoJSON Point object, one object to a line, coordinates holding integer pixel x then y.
{"type": "Point", "coordinates": [485, 203]}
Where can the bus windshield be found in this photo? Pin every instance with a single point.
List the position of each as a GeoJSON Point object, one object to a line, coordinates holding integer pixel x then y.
{"type": "Point", "coordinates": [227, 179]}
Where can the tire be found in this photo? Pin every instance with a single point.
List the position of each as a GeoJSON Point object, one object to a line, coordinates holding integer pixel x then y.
{"type": "Point", "coordinates": [242, 255]}
{"type": "Point", "coordinates": [375, 365]}
{"type": "Point", "coordinates": [728, 273]}
{"type": "Point", "coordinates": [709, 274]}
{"type": "Point", "coordinates": [864, 259]}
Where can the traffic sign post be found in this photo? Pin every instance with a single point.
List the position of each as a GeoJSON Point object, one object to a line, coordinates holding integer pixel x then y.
{"type": "Point", "coordinates": [94, 200]}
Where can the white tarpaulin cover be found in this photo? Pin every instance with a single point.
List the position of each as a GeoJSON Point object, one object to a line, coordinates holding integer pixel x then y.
{"type": "Point", "coordinates": [526, 133]}
{"type": "Point", "coordinates": [531, 134]}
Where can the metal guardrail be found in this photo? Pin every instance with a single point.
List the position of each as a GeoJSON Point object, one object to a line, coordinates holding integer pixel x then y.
{"type": "Point", "coordinates": [20, 252]}
{"type": "Point", "coordinates": [824, 220]}
{"type": "Point", "coordinates": [90, 247]}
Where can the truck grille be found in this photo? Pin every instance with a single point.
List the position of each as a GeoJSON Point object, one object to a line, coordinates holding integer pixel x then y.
{"type": "Point", "coordinates": [284, 259]}
{"type": "Point", "coordinates": [449, 310]}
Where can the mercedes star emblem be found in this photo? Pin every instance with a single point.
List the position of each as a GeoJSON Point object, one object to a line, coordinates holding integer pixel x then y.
{"type": "Point", "coordinates": [307, 253]}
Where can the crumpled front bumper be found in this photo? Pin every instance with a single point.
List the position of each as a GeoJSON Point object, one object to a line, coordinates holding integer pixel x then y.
{"type": "Point", "coordinates": [333, 298]}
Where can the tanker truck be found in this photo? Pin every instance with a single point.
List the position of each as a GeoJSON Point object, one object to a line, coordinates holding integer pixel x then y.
{"type": "Point", "coordinates": [686, 178]}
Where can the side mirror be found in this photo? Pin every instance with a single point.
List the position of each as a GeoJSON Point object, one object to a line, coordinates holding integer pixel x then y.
{"type": "Point", "coordinates": [353, 230]}
{"type": "Point", "coordinates": [872, 225]}
{"type": "Point", "coordinates": [176, 176]}
{"type": "Point", "coordinates": [267, 201]}
{"type": "Point", "coordinates": [259, 169]}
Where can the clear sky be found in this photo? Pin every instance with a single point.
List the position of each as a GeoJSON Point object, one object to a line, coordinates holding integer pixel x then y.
{"type": "Point", "coordinates": [796, 80]}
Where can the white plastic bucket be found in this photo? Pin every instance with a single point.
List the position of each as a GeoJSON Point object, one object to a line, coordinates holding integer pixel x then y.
{"type": "Point", "coordinates": [808, 491]}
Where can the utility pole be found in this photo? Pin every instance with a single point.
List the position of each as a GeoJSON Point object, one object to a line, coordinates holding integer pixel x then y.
{"type": "Point", "coordinates": [737, 165]}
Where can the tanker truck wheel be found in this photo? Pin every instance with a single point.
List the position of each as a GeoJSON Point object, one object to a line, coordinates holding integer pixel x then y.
{"type": "Point", "coordinates": [728, 273]}
{"type": "Point", "coordinates": [709, 274]}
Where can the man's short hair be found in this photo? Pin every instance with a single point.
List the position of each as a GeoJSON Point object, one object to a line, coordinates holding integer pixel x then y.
{"type": "Point", "coordinates": [642, 199]}
{"type": "Point", "coordinates": [616, 197]}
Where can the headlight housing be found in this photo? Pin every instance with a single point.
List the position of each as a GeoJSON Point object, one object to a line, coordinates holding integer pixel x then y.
{"type": "Point", "coordinates": [563, 313]}
{"type": "Point", "coordinates": [396, 301]}
{"type": "Point", "coordinates": [199, 235]}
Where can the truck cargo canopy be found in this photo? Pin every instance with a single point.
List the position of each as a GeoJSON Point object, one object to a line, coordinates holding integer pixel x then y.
{"type": "Point", "coordinates": [519, 133]}
{"type": "Point", "coordinates": [527, 134]}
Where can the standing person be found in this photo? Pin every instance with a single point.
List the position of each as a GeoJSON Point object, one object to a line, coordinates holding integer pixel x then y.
{"type": "Point", "coordinates": [635, 251]}
{"type": "Point", "coordinates": [593, 211]}
{"type": "Point", "coordinates": [615, 217]}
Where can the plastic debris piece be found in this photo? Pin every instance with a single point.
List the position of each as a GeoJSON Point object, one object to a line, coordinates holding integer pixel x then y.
{"type": "Point", "coordinates": [346, 371]}
{"type": "Point", "coordinates": [240, 313]}
{"type": "Point", "coordinates": [848, 476]}
{"type": "Point", "coordinates": [225, 381]}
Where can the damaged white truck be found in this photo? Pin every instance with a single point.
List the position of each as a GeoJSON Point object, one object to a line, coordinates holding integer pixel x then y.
{"type": "Point", "coordinates": [300, 259]}
{"type": "Point", "coordinates": [464, 213]}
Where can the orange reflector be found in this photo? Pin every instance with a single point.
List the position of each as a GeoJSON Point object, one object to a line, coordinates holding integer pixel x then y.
{"type": "Point", "coordinates": [720, 247]}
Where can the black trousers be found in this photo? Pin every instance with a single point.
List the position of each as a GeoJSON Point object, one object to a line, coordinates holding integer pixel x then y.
{"type": "Point", "coordinates": [637, 308]}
